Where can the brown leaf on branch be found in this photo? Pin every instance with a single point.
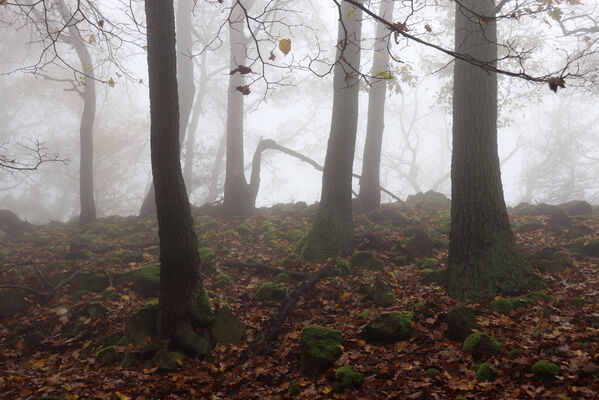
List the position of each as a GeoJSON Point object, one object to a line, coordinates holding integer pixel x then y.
{"type": "Point", "coordinates": [555, 83]}
{"type": "Point", "coordinates": [272, 56]}
{"type": "Point", "coordinates": [428, 28]}
{"type": "Point", "coordinates": [245, 89]}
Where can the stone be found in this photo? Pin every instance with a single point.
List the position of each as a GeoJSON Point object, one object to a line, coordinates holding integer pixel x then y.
{"type": "Point", "coordinates": [382, 293]}
{"type": "Point", "coordinates": [227, 328]}
{"type": "Point", "coordinates": [108, 355]}
{"type": "Point", "coordinates": [143, 323]}
{"type": "Point", "coordinates": [319, 348]}
{"type": "Point", "coordinates": [366, 260]}
{"type": "Point", "coordinates": [271, 291]}
{"type": "Point", "coordinates": [12, 302]}
{"type": "Point", "coordinates": [460, 322]}
{"type": "Point", "coordinates": [481, 345]}
{"type": "Point", "coordinates": [347, 378]}
{"type": "Point", "coordinates": [419, 244]}
{"type": "Point", "coordinates": [186, 339]}
{"type": "Point", "coordinates": [93, 281]}
{"type": "Point", "coordinates": [146, 280]}
{"type": "Point", "coordinates": [545, 370]}
{"type": "Point", "coordinates": [389, 328]}
{"type": "Point", "coordinates": [559, 220]}
{"type": "Point", "coordinates": [576, 207]}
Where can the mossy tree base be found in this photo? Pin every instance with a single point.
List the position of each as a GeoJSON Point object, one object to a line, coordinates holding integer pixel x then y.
{"type": "Point", "coordinates": [332, 233]}
{"type": "Point", "coordinates": [501, 269]}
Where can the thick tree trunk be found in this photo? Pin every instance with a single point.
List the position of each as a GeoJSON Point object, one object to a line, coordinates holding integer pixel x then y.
{"type": "Point", "coordinates": [332, 230]}
{"type": "Point", "coordinates": [483, 257]}
{"type": "Point", "coordinates": [180, 286]}
{"type": "Point", "coordinates": [369, 197]}
{"type": "Point", "coordinates": [237, 201]}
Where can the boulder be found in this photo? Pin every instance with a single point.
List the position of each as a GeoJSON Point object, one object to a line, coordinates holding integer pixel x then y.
{"type": "Point", "coordinates": [93, 281]}
{"type": "Point", "coordinates": [460, 322]}
{"type": "Point", "coordinates": [319, 348]}
{"type": "Point", "coordinates": [271, 291]}
{"type": "Point", "coordinates": [12, 225]}
{"type": "Point", "coordinates": [482, 346]}
{"type": "Point", "coordinates": [143, 323]}
{"type": "Point", "coordinates": [227, 328]}
{"type": "Point", "coordinates": [389, 328]}
{"type": "Point", "coordinates": [146, 280]}
{"type": "Point", "coordinates": [419, 244]}
{"type": "Point", "coordinates": [347, 378]}
{"type": "Point", "coordinates": [381, 293]}
{"type": "Point", "coordinates": [366, 259]}
{"type": "Point", "coordinates": [576, 207]}
{"type": "Point", "coordinates": [12, 302]}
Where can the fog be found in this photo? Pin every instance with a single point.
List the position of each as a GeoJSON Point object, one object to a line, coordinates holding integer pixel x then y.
{"type": "Point", "coordinates": [548, 142]}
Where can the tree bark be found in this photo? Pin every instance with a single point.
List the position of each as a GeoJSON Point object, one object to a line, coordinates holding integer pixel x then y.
{"type": "Point", "coordinates": [332, 230]}
{"type": "Point", "coordinates": [180, 287]}
{"type": "Point", "coordinates": [237, 200]}
{"type": "Point", "coordinates": [483, 257]}
{"type": "Point", "coordinates": [369, 197]}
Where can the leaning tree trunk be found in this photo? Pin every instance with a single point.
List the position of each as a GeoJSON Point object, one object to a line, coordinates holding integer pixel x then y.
{"type": "Point", "coordinates": [88, 116]}
{"type": "Point", "coordinates": [369, 197]}
{"type": "Point", "coordinates": [181, 290]}
{"type": "Point", "coordinates": [237, 200]}
{"type": "Point", "coordinates": [483, 257]}
{"type": "Point", "coordinates": [332, 230]}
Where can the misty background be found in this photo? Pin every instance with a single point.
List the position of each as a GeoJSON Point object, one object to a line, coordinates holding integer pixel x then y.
{"type": "Point", "coordinates": [548, 142]}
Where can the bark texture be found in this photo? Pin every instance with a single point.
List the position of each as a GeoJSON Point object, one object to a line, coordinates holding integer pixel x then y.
{"type": "Point", "coordinates": [369, 197]}
{"type": "Point", "coordinates": [483, 257]}
{"type": "Point", "coordinates": [180, 286]}
{"type": "Point", "coordinates": [237, 200]}
{"type": "Point", "coordinates": [332, 230]}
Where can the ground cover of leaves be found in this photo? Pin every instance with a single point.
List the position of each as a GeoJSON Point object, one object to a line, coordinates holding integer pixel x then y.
{"type": "Point", "coordinates": [51, 349]}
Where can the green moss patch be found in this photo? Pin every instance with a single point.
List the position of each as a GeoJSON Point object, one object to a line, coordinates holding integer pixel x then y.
{"type": "Point", "coordinates": [482, 345]}
{"type": "Point", "coordinates": [506, 305]}
{"type": "Point", "coordinates": [366, 259]}
{"type": "Point", "coordinates": [271, 291]}
{"type": "Point", "coordinates": [319, 348]}
{"type": "Point", "coordinates": [93, 281]}
{"type": "Point", "coordinates": [244, 229]}
{"type": "Point", "coordinates": [347, 378]}
{"type": "Point", "coordinates": [484, 372]}
{"type": "Point", "coordinates": [460, 322]}
{"type": "Point", "coordinates": [389, 328]}
{"type": "Point", "coordinates": [545, 370]}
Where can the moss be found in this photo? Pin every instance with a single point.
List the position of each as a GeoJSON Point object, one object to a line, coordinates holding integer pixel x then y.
{"type": "Point", "coordinates": [244, 229]}
{"type": "Point", "coordinates": [203, 310]}
{"type": "Point", "coordinates": [110, 294]}
{"type": "Point", "coordinates": [143, 323]}
{"type": "Point", "coordinates": [221, 280]}
{"type": "Point", "coordinates": [347, 378]}
{"type": "Point", "coordinates": [343, 267]}
{"type": "Point", "coordinates": [530, 226]}
{"type": "Point", "coordinates": [389, 327]}
{"type": "Point", "coordinates": [299, 245]}
{"type": "Point", "coordinates": [77, 329]}
{"type": "Point", "coordinates": [206, 254]}
{"type": "Point", "coordinates": [427, 263]}
{"type": "Point", "coordinates": [93, 281]}
{"type": "Point", "coordinates": [108, 355]}
{"type": "Point", "coordinates": [401, 260]}
{"type": "Point", "coordinates": [505, 305]}
{"type": "Point", "coordinates": [96, 308]}
{"type": "Point", "coordinates": [294, 235]}
{"type": "Point", "coordinates": [146, 280]}
{"type": "Point", "coordinates": [382, 294]}
{"type": "Point", "coordinates": [294, 388]}
{"type": "Point", "coordinates": [513, 353]}
{"type": "Point", "coordinates": [460, 322]}
{"type": "Point", "coordinates": [365, 314]}
{"type": "Point", "coordinates": [166, 360]}
{"type": "Point", "coordinates": [484, 372]}
{"type": "Point", "coordinates": [579, 301]}
{"type": "Point", "coordinates": [112, 339]}
{"type": "Point", "coordinates": [474, 342]}
{"type": "Point", "coordinates": [541, 295]}
{"type": "Point", "coordinates": [271, 291]}
{"type": "Point", "coordinates": [282, 277]}
{"type": "Point", "coordinates": [320, 347]}
{"type": "Point", "coordinates": [12, 302]}
{"type": "Point", "coordinates": [42, 239]}
{"type": "Point", "coordinates": [545, 370]}
{"type": "Point", "coordinates": [432, 372]}
{"type": "Point", "coordinates": [426, 271]}
{"type": "Point", "coordinates": [207, 223]}
{"type": "Point", "coordinates": [366, 260]}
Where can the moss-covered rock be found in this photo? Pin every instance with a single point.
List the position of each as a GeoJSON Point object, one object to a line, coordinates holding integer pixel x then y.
{"type": "Point", "coordinates": [430, 199]}
{"type": "Point", "coordinates": [244, 229]}
{"type": "Point", "coordinates": [590, 248]}
{"type": "Point", "coordinates": [93, 281]}
{"type": "Point", "coordinates": [42, 239]}
{"type": "Point", "coordinates": [112, 339]}
{"type": "Point", "coordinates": [282, 278]}
{"type": "Point", "coordinates": [389, 328]}
{"type": "Point", "coordinates": [427, 263]}
{"type": "Point", "coordinates": [227, 328]}
{"type": "Point", "coordinates": [143, 323]}
{"type": "Point", "coordinates": [506, 305]}
{"type": "Point", "coordinates": [432, 372]}
{"type": "Point", "coordinates": [146, 280]}
{"type": "Point", "coordinates": [271, 291]}
{"type": "Point", "coordinates": [482, 345]}
{"type": "Point", "coordinates": [206, 254]}
{"type": "Point", "coordinates": [382, 293]}
{"type": "Point", "coordinates": [294, 235]}
{"type": "Point", "coordinates": [559, 220]}
{"type": "Point", "coordinates": [545, 370]}
{"type": "Point", "coordinates": [576, 207]}
{"type": "Point", "coordinates": [417, 244]}
{"type": "Point", "coordinates": [12, 302]}
{"type": "Point", "coordinates": [294, 388]}
{"type": "Point", "coordinates": [401, 260]}
{"type": "Point", "coordinates": [186, 339]}
{"type": "Point", "coordinates": [460, 322]}
{"type": "Point", "coordinates": [166, 360]}
{"type": "Point", "coordinates": [365, 314]}
{"type": "Point", "coordinates": [484, 372]}
{"type": "Point", "coordinates": [221, 280]}
{"type": "Point", "coordinates": [347, 378]}
{"type": "Point", "coordinates": [343, 267]}
{"type": "Point", "coordinates": [579, 301]}
{"type": "Point", "coordinates": [529, 226]}
{"type": "Point", "coordinates": [319, 348]}
{"type": "Point", "coordinates": [366, 259]}
{"type": "Point", "coordinates": [108, 355]}
{"type": "Point", "coordinates": [96, 308]}
{"type": "Point", "coordinates": [576, 231]}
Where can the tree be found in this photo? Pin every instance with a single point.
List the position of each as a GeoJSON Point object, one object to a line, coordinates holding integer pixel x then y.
{"type": "Point", "coordinates": [369, 197]}
{"type": "Point", "coordinates": [238, 198]}
{"type": "Point", "coordinates": [483, 257]}
{"type": "Point", "coordinates": [183, 301]}
{"type": "Point", "coordinates": [332, 230]}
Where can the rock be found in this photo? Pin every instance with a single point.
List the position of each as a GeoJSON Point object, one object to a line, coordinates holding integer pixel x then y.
{"type": "Point", "coordinates": [460, 322]}
{"type": "Point", "coordinates": [551, 259]}
{"type": "Point", "coordinates": [12, 302]}
{"type": "Point", "coordinates": [227, 328]}
{"type": "Point", "coordinates": [559, 220]}
{"type": "Point", "coordinates": [576, 207]}
{"type": "Point", "coordinates": [143, 323]}
{"type": "Point", "coordinates": [167, 360]}
{"type": "Point", "coordinates": [504, 305]}
{"type": "Point", "coordinates": [221, 280]}
{"type": "Point", "coordinates": [381, 293]}
{"type": "Point", "coordinates": [591, 248]}
{"type": "Point", "coordinates": [12, 225]}
{"type": "Point", "coordinates": [482, 346]}
{"type": "Point", "coordinates": [108, 355]}
{"type": "Point", "coordinates": [419, 245]}
{"type": "Point", "coordinates": [93, 281]}
{"type": "Point", "coordinates": [96, 308]}
{"type": "Point", "coordinates": [530, 226]}
{"type": "Point", "coordinates": [484, 372]}
{"type": "Point", "coordinates": [271, 291]}
{"type": "Point", "coordinates": [545, 370]}
{"type": "Point", "coordinates": [576, 231]}
{"type": "Point", "coordinates": [146, 280]}
{"type": "Point", "coordinates": [347, 378]}
{"type": "Point", "coordinates": [294, 388]}
{"type": "Point", "coordinates": [432, 372]}
{"type": "Point", "coordinates": [81, 247]}
{"type": "Point", "coordinates": [186, 339]}
{"type": "Point", "coordinates": [389, 328]}
{"type": "Point", "coordinates": [366, 259]}
{"type": "Point", "coordinates": [319, 348]}
{"type": "Point", "coordinates": [430, 199]}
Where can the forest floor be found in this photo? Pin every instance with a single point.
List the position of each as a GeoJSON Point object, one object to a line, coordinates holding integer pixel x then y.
{"type": "Point", "coordinates": [51, 348]}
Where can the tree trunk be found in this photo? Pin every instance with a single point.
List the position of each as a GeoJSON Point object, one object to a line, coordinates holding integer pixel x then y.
{"type": "Point", "coordinates": [88, 116]}
{"type": "Point", "coordinates": [483, 257]}
{"type": "Point", "coordinates": [180, 287]}
{"type": "Point", "coordinates": [237, 201]}
{"type": "Point", "coordinates": [369, 197]}
{"type": "Point", "coordinates": [332, 230]}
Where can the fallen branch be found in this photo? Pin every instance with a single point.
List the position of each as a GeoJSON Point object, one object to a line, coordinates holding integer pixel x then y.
{"type": "Point", "coordinates": [272, 328]}
{"type": "Point", "coordinates": [267, 268]}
